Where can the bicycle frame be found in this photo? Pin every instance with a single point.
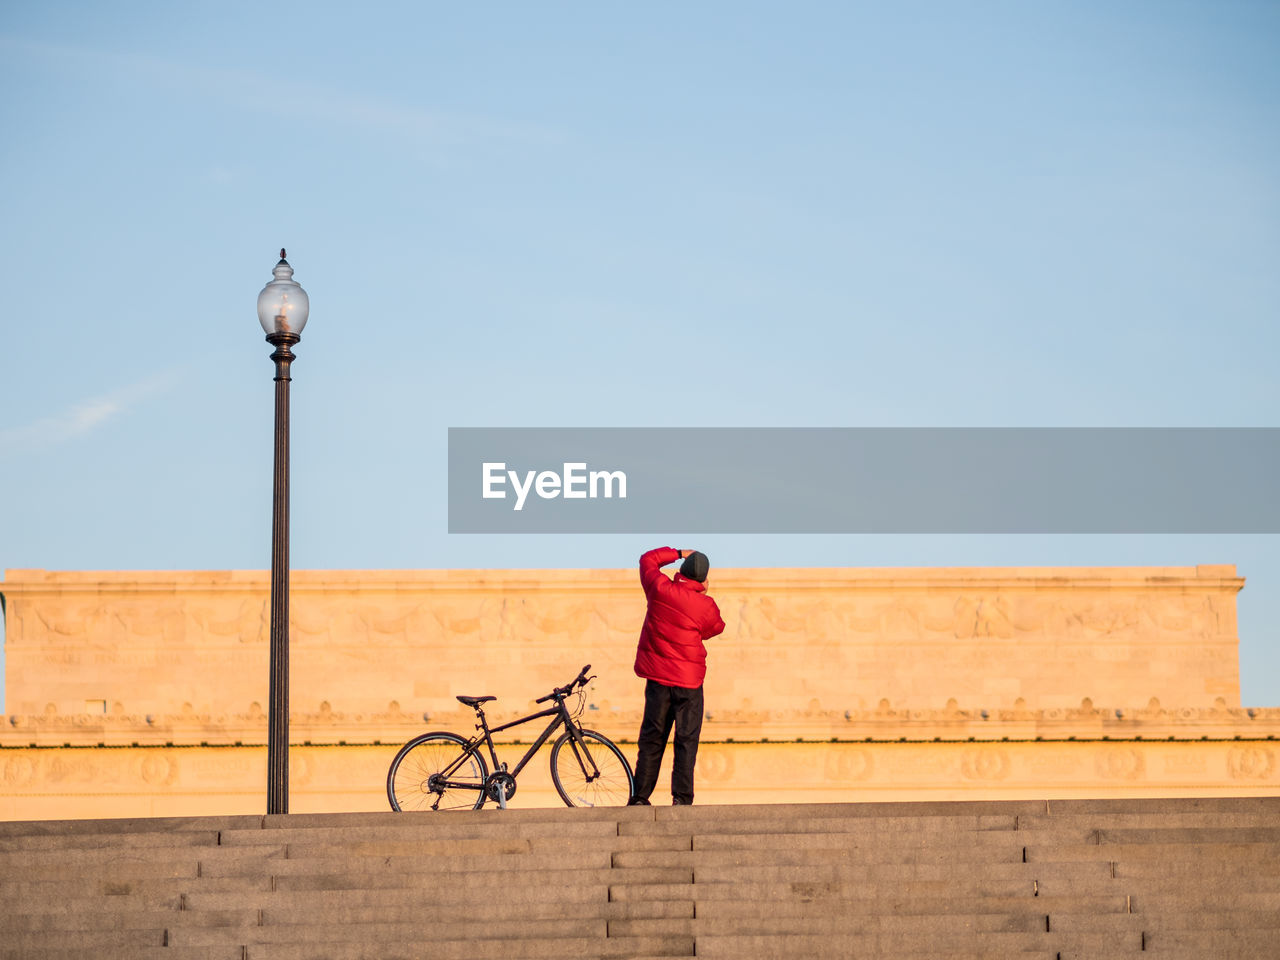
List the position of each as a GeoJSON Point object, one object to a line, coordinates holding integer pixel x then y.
{"type": "Point", "coordinates": [561, 714]}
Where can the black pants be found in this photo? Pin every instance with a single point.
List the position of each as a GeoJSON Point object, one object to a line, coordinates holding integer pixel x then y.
{"type": "Point", "coordinates": [663, 707]}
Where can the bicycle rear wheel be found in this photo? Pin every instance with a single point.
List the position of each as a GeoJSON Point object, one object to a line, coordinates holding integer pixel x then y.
{"type": "Point", "coordinates": [598, 776]}
{"type": "Point", "coordinates": [432, 772]}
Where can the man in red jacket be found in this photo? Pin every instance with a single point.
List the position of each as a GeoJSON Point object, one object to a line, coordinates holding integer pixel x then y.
{"type": "Point", "coordinates": [672, 658]}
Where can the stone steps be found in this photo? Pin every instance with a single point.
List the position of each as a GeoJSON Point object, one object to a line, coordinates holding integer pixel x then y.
{"type": "Point", "coordinates": [1171, 878]}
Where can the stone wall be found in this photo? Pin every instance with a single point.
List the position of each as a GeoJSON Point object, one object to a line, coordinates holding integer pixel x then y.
{"type": "Point", "coordinates": [797, 641]}
{"type": "Point", "coordinates": [891, 683]}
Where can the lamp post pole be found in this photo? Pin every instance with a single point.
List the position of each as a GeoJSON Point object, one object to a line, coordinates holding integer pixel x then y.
{"type": "Point", "coordinates": [282, 310]}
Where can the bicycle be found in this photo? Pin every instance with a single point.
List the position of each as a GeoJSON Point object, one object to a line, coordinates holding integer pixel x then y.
{"type": "Point", "coordinates": [442, 770]}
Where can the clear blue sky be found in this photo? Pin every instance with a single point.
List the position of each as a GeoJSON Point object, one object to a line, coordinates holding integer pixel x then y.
{"type": "Point", "coordinates": [715, 214]}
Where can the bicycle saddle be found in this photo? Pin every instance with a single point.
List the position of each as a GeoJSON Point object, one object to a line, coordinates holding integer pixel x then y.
{"type": "Point", "coordinates": [475, 701]}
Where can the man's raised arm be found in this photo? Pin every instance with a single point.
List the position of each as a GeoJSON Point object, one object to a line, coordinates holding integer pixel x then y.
{"type": "Point", "coordinates": [652, 562]}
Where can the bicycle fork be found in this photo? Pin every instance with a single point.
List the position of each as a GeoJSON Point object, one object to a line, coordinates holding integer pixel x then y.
{"type": "Point", "coordinates": [579, 746]}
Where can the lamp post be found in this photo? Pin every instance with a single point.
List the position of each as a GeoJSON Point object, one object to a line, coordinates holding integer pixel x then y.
{"type": "Point", "coordinates": [282, 311]}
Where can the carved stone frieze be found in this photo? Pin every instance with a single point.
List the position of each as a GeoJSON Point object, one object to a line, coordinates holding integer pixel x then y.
{"type": "Point", "coordinates": [1252, 763]}
{"type": "Point", "coordinates": [1120, 764]}
{"type": "Point", "coordinates": [1018, 640]}
{"type": "Point", "coordinates": [325, 723]}
{"type": "Point", "coordinates": [979, 764]}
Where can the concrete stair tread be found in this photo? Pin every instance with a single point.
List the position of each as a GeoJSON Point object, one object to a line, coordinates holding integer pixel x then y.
{"type": "Point", "coordinates": [1049, 921]}
{"type": "Point", "coordinates": [119, 869]}
{"type": "Point", "coordinates": [528, 863]}
{"type": "Point", "coordinates": [1259, 871]}
{"type": "Point", "coordinates": [112, 842]}
{"type": "Point", "coordinates": [349, 872]}
{"type": "Point", "coordinates": [750, 860]}
{"type": "Point", "coordinates": [758, 819]}
{"type": "Point", "coordinates": [941, 926]}
{"type": "Point", "coordinates": [1164, 852]}
{"type": "Point", "coordinates": [1145, 821]}
{"type": "Point", "coordinates": [1168, 921]}
{"type": "Point", "coordinates": [139, 826]}
{"type": "Point", "coordinates": [1215, 942]}
{"type": "Point", "coordinates": [89, 919]}
{"type": "Point", "coordinates": [116, 938]}
{"type": "Point", "coordinates": [304, 913]}
{"type": "Point", "coordinates": [1149, 806]}
{"type": "Point", "coordinates": [104, 952]}
{"type": "Point", "coordinates": [520, 896]}
{"type": "Point", "coordinates": [469, 855]}
{"type": "Point", "coordinates": [443, 826]}
{"type": "Point", "coordinates": [1165, 903]}
{"type": "Point", "coordinates": [826, 871]}
{"type": "Point", "coordinates": [977, 843]}
{"type": "Point", "coordinates": [514, 887]}
{"type": "Point", "coordinates": [855, 899]}
{"type": "Point", "coordinates": [1145, 806]}
{"type": "Point", "coordinates": [446, 939]}
{"type": "Point", "coordinates": [834, 826]}
{"type": "Point", "coordinates": [55, 905]}
{"type": "Point", "coordinates": [545, 949]}
{"type": "Point", "coordinates": [645, 949]}
{"type": "Point", "coordinates": [489, 816]}
{"type": "Point", "coordinates": [47, 892]}
{"type": "Point", "coordinates": [729, 838]}
{"type": "Point", "coordinates": [474, 846]}
{"type": "Point", "coordinates": [146, 859]}
{"type": "Point", "coordinates": [892, 944]}
{"type": "Point", "coordinates": [1197, 835]}
{"type": "Point", "coordinates": [1144, 904]}
{"type": "Point", "coordinates": [371, 932]}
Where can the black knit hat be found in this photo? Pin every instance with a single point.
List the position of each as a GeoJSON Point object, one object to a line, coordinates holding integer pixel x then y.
{"type": "Point", "coordinates": [696, 566]}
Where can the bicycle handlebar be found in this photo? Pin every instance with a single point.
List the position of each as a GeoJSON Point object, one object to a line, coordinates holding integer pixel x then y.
{"type": "Point", "coordinates": [580, 680]}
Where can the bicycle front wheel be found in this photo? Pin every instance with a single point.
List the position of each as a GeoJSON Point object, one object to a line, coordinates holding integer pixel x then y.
{"type": "Point", "coordinates": [434, 772]}
{"type": "Point", "coordinates": [593, 773]}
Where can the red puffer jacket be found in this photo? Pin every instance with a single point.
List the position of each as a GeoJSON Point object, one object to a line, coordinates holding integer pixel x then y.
{"type": "Point", "coordinates": [679, 618]}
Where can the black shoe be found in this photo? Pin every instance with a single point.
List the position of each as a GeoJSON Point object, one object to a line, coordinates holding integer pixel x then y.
{"type": "Point", "coordinates": [637, 802]}
{"type": "Point", "coordinates": [677, 802]}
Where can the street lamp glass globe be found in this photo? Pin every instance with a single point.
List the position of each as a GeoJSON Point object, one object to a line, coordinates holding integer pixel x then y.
{"type": "Point", "coordinates": [283, 305]}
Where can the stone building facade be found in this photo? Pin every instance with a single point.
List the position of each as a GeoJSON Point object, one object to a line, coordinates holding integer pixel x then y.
{"type": "Point", "coordinates": [141, 693]}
